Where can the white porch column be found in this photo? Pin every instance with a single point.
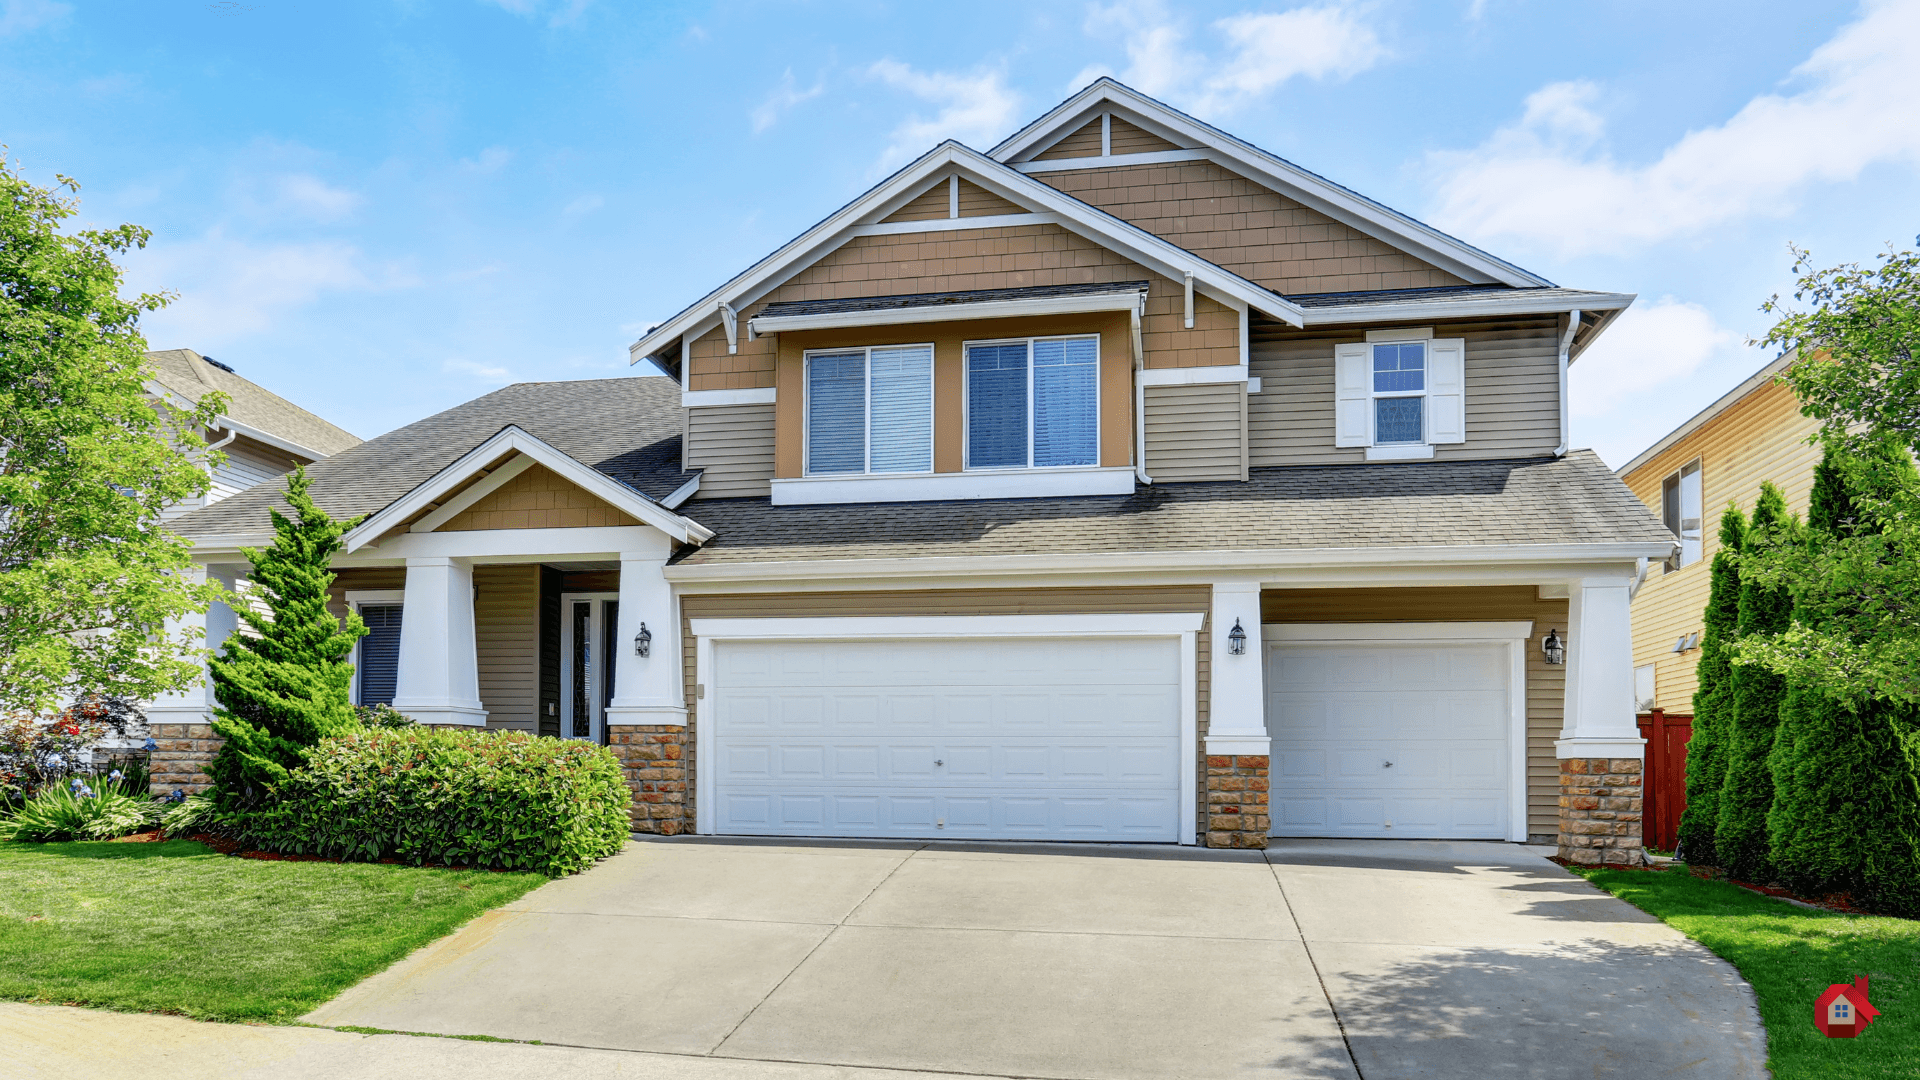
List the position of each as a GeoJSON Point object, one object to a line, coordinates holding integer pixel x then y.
{"type": "Point", "coordinates": [647, 689]}
{"type": "Point", "coordinates": [1599, 720]}
{"type": "Point", "coordinates": [195, 704]}
{"type": "Point", "coordinates": [1236, 716]}
{"type": "Point", "coordinates": [439, 677]}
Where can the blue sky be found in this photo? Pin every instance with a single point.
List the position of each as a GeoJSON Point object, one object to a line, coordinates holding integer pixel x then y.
{"type": "Point", "coordinates": [380, 209]}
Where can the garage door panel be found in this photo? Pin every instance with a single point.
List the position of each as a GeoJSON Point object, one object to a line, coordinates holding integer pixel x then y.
{"type": "Point", "coordinates": [1141, 815]}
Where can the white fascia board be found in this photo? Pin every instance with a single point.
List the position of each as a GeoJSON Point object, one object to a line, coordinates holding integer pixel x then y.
{"type": "Point", "coordinates": [1077, 217]}
{"type": "Point", "coordinates": [227, 423]}
{"type": "Point", "coordinates": [982, 221]}
{"type": "Point", "coordinates": [992, 309]}
{"type": "Point", "coordinates": [682, 493]}
{"type": "Point", "coordinates": [515, 438]}
{"type": "Point", "coordinates": [1497, 304]}
{"type": "Point", "coordinates": [1112, 161]}
{"type": "Point", "coordinates": [1229, 152]}
{"type": "Point", "coordinates": [599, 543]}
{"type": "Point", "coordinates": [950, 626]}
{"type": "Point", "coordinates": [942, 487]}
{"type": "Point", "coordinates": [1767, 374]}
{"type": "Point", "coordinates": [1546, 558]}
{"type": "Point", "coordinates": [1193, 376]}
{"type": "Point", "coordinates": [205, 547]}
{"type": "Point", "coordinates": [698, 399]}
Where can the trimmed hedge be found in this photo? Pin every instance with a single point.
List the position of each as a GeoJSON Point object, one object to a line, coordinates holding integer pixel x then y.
{"type": "Point", "coordinates": [504, 800]}
{"type": "Point", "coordinates": [1746, 795]}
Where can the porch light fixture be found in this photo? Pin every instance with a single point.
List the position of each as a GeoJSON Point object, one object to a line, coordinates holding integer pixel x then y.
{"type": "Point", "coordinates": [1237, 640]}
{"type": "Point", "coordinates": [643, 642]}
{"type": "Point", "coordinates": [1555, 649]}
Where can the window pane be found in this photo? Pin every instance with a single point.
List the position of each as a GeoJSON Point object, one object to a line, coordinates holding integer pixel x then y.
{"type": "Point", "coordinates": [1400, 367]}
{"type": "Point", "coordinates": [996, 406]}
{"type": "Point", "coordinates": [902, 433]}
{"type": "Point", "coordinates": [1398, 419]}
{"type": "Point", "coordinates": [837, 413]}
{"type": "Point", "coordinates": [1066, 419]}
{"type": "Point", "coordinates": [1690, 514]}
{"type": "Point", "coordinates": [379, 653]}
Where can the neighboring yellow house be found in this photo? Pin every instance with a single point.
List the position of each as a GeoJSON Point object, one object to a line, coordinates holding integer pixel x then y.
{"type": "Point", "coordinates": [1753, 434]}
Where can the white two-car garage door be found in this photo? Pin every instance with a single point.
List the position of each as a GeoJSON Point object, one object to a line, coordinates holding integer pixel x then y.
{"type": "Point", "coordinates": [1038, 738]}
{"type": "Point", "coordinates": [1391, 739]}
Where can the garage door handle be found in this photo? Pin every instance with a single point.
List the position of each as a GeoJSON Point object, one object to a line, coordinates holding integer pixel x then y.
{"type": "Point", "coordinates": [1386, 764]}
{"type": "Point", "coordinates": [938, 761]}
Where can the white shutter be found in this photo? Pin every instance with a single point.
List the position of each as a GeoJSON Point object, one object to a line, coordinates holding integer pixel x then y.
{"type": "Point", "coordinates": [1446, 391]}
{"type": "Point", "coordinates": [1353, 396]}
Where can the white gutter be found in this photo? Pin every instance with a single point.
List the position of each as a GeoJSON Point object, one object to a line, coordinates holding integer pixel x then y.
{"type": "Point", "coordinates": [1140, 398]}
{"type": "Point", "coordinates": [232, 434]}
{"type": "Point", "coordinates": [1521, 303]}
{"type": "Point", "coordinates": [1566, 343]}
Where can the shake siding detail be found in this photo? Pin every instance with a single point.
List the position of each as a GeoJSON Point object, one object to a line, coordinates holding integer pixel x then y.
{"type": "Point", "coordinates": [1082, 143]}
{"type": "Point", "coordinates": [1760, 437]}
{"type": "Point", "coordinates": [1125, 138]}
{"type": "Point", "coordinates": [538, 498]}
{"type": "Point", "coordinates": [1512, 392]}
{"type": "Point", "coordinates": [1196, 432]}
{"type": "Point", "coordinates": [1082, 601]}
{"type": "Point", "coordinates": [930, 204]}
{"type": "Point", "coordinates": [1247, 228]}
{"type": "Point", "coordinates": [734, 445]}
{"type": "Point", "coordinates": [1546, 683]}
{"type": "Point", "coordinates": [976, 201]}
{"type": "Point", "coordinates": [506, 624]}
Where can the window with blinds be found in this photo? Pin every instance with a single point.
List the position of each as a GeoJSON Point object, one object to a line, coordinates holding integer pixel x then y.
{"type": "Point", "coordinates": [379, 653]}
{"type": "Point", "coordinates": [870, 410]}
{"type": "Point", "coordinates": [1033, 403]}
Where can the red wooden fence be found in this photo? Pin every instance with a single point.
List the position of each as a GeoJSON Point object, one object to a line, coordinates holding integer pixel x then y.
{"type": "Point", "coordinates": [1666, 777]}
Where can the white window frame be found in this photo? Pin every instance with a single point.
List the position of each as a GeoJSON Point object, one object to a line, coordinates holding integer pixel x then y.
{"type": "Point", "coordinates": [966, 404]}
{"type": "Point", "coordinates": [1679, 560]}
{"type": "Point", "coordinates": [1374, 395]}
{"type": "Point", "coordinates": [1430, 438]}
{"type": "Point", "coordinates": [866, 449]}
{"type": "Point", "coordinates": [359, 598]}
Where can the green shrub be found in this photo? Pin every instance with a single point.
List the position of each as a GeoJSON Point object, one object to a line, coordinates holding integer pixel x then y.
{"type": "Point", "coordinates": [380, 715]}
{"type": "Point", "coordinates": [1707, 749]}
{"type": "Point", "coordinates": [499, 800]}
{"type": "Point", "coordinates": [1740, 840]}
{"type": "Point", "coordinates": [78, 813]}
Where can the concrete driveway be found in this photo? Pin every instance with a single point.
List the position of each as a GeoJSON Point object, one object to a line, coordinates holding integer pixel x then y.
{"type": "Point", "coordinates": [1370, 959]}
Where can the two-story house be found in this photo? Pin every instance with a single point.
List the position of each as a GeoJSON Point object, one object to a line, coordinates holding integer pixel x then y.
{"type": "Point", "coordinates": [1123, 483]}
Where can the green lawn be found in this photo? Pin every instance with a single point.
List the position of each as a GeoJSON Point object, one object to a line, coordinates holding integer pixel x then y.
{"type": "Point", "coordinates": [1790, 954]}
{"type": "Point", "coordinates": [175, 927]}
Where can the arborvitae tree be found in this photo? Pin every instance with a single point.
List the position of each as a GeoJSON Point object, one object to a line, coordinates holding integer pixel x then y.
{"type": "Point", "coordinates": [1740, 840]}
{"type": "Point", "coordinates": [286, 687]}
{"type": "Point", "coordinates": [1712, 699]}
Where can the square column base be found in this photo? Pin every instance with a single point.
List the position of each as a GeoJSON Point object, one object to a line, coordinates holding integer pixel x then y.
{"type": "Point", "coordinates": [653, 758]}
{"type": "Point", "coordinates": [1600, 811]}
{"type": "Point", "coordinates": [1237, 801]}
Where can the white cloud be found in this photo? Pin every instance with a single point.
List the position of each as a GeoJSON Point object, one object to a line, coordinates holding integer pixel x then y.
{"type": "Point", "coordinates": [1548, 179]}
{"type": "Point", "coordinates": [1257, 53]}
{"type": "Point", "coordinates": [231, 288]}
{"type": "Point", "coordinates": [784, 97]}
{"type": "Point", "coordinates": [1648, 345]}
{"type": "Point", "coordinates": [486, 373]}
{"type": "Point", "coordinates": [582, 206]}
{"type": "Point", "coordinates": [311, 197]}
{"type": "Point", "coordinates": [562, 11]}
{"type": "Point", "coordinates": [490, 160]}
{"type": "Point", "coordinates": [975, 109]}
{"type": "Point", "coordinates": [21, 16]}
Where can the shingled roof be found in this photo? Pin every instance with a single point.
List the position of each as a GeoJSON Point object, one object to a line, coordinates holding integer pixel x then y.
{"type": "Point", "coordinates": [192, 376]}
{"type": "Point", "coordinates": [627, 428]}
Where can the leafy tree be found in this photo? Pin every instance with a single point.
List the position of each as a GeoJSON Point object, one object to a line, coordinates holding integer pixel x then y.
{"type": "Point", "coordinates": [1713, 700]}
{"type": "Point", "coordinates": [287, 686]}
{"type": "Point", "coordinates": [88, 578]}
{"type": "Point", "coordinates": [1740, 839]}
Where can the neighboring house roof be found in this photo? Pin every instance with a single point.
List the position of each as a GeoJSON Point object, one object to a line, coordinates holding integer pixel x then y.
{"type": "Point", "coordinates": [627, 428]}
{"type": "Point", "coordinates": [191, 376]}
{"type": "Point", "coordinates": [1538, 502]}
{"type": "Point", "coordinates": [1753, 382]}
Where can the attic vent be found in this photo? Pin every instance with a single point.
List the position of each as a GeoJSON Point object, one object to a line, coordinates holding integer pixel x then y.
{"type": "Point", "coordinates": [219, 365]}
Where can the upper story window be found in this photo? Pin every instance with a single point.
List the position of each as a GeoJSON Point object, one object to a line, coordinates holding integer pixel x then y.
{"type": "Point", "coordinates": [1682, 504]}
{"type": "Point", "coordinates": [1033, 403]}
{"type": "Point", "coordinates": [1400, 393]}
{"type": "Point", "coordinates": [870, 410]}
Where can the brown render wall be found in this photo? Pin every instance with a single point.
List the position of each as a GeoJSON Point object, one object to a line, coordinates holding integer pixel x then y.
{"type": "Point", "coordinates": [1546, 683]}
{"type": "Point", "coordinates": [1071, 601]}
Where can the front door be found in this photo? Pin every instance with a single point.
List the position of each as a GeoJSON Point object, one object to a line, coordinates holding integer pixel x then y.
{"type": "Point", "coordinates": [588, 622]}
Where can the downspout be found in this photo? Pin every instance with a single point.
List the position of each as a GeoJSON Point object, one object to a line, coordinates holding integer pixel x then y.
{"type": "Point", "coordinates": [1566, 343]}
{"type": "Point", "coordinates": [1639, 577]}
{"type": "Point", "coordinates": [232, 434]}
{"type": "Point", "coordinates": [1139, 399]}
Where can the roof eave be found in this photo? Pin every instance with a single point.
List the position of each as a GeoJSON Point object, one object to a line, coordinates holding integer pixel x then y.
{"type": "Point", "coordinates": [1519, 303]}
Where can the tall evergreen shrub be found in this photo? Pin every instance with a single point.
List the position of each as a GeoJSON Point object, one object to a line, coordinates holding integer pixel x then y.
{"type": "Point", "coordinates": [1740, 839]}
{"type": "Point", "coordinates": [288, 685]}
{"type": "Point", "coordinates": [1713, 697]}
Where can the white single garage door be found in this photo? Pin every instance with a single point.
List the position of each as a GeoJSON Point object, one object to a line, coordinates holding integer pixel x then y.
{"type": "Point", "coordinates": [1389, 740]}
{"type": "Point", "coordinates": [967, 738]}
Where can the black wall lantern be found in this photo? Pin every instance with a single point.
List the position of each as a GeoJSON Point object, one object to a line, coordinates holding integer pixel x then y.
{"type": "Point", "coordinates": [1555, 649]}
{"type": "Point", "coordinates": [643, 642]}
{"type": "Point", "coordinates": [1237, 640]}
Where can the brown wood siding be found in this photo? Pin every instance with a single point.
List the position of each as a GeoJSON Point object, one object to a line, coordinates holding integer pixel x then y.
{"type": "Point", "coordinates": [538, 498]}
{"type": "Point", "coordinates": [1081, 601]}
{"type": "Point", "coordinates": [926, 206]}
{"type": "Point", "coordinates": [1082, 143]}
{"type": "Point", "coordinates": [1015, 256]}
{"type": "Point", "coordinates": [734, 445]}
{"type": "Point", "coordinates": [1546, 683]}
{"type": "Point", "coordinates": [549, 697]}
{"type": "Point", "coordinates": [1247, 228]}
{"type": "Point", "coordinates": [1512, 392]}
{"type": "Point", "coordinates": [1196, 432]}
{"type": "Point", "coordinates": [506, 625]}
{"type": "Point", "coordinates": [1125, 138]}
{"type": "Point", "coordinates": [1761, 437]}
{"type": "Point", "coordinates": [976, 201]}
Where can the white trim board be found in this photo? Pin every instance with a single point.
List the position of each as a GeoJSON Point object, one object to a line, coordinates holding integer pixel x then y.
{"type": "Point", "coordinates": [1195, 376]}
{"type": "Point", "coordinates": [1118, 300]}
{"type": "Point", "coordinates": [1183, 626]}
{"type": "Point", "coordinates": [1111, 161]}
{"type": "Point", "coordinates": [934, 487]}
{"type": "Point", "coordinates": [701, 399]}
{"type": "Point", "coordinates": [1513, 635]}
{"type": "Point", "coordinates": [954, 224]}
